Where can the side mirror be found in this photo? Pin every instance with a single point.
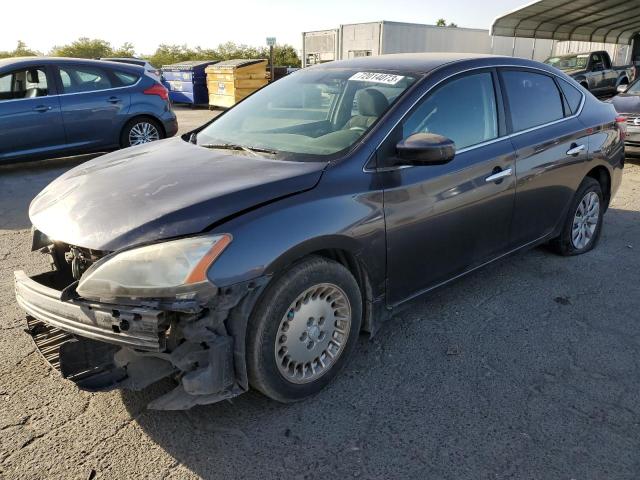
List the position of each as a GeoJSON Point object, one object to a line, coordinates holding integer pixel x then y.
{"type": "Point", "coordinates": [622, 88]}
{"type": "Point", "coordinates": [425, 149]}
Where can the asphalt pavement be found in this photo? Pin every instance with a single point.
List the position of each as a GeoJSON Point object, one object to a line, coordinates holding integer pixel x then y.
{"type": "Point", "coordinates": [527, 369]}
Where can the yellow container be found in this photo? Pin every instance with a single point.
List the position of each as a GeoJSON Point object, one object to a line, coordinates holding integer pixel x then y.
{"type": "Point", "coordinates": [230, 81]}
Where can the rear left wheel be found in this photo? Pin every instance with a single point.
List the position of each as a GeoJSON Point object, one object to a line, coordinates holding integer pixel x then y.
{"type": "Point", "coordinates": [583, 224]}
{"type": "Point", "coordinates": [303, 329]}
{"type": "Point", "coordinates": [139, 131]}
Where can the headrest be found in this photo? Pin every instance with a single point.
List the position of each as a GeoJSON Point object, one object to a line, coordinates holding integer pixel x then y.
{"type": "Point", "coordinates": [32, 76]}
{"type": "Point", "coordinates": [371, 102]}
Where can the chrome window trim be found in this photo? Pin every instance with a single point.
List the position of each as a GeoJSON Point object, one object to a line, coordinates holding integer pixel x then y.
{"type": "Point", "coordinates": [488, 142]}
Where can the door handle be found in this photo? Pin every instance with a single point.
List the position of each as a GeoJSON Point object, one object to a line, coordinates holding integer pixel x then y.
{"type": "Point", "coordinates": [113, 100]}
{"type": "Point", "coordinates": [575, 150]}
{"type": "Point", "coordinates": [498, 175]}
{"type": "Point", "coordinates": [42, 108]}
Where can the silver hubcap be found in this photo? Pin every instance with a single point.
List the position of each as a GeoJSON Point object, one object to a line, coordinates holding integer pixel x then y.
{"type": "Point", "coordinates": [143, 132]}
{"type": "Point", "coordinates": [585, 220]}
{"type": "Point", "coordinates": [313, 333]}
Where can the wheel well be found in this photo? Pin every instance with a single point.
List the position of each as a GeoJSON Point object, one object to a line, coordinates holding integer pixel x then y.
{"type": "Point", "coordinates": [604, 179]}
{"type": "Point", "coordinates": [359, 272]}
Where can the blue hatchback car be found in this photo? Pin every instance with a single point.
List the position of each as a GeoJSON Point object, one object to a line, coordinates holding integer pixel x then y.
{"type": "Point", "coordinates": [62, 106]}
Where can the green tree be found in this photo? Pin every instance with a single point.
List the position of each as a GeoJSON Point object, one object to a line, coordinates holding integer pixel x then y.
{"type": "Point", "coordinates": [168, 54]}
{"type": "Point", "coordinates": [285, 56]}
{"type": "Point", "coordinates": [127, 50]}
{"type": "Point", "coordinates": [21, 50]}
{"type": "Point", "coordinates": [441, 22]}
{"type": "Point", "coordinates": [453, 25]}
{"type": "Point", "coordinates": [84, 48]}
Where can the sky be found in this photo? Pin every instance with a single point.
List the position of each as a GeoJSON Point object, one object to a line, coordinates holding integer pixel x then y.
{"type": "Point", "coordinates": [148, 23]}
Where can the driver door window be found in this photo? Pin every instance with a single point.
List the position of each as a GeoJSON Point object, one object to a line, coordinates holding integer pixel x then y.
{"type": "Point", "coordinates": [463, 110]}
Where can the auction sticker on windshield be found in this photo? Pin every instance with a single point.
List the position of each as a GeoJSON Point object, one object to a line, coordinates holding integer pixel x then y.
{"type": "Point", "coordinates": [386, 78]}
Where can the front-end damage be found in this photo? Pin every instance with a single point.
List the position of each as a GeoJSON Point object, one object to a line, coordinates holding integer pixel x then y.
{"type": "Point", "coordinates": [101, 346]}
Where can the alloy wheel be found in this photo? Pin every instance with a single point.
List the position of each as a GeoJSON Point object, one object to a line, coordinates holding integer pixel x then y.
{"type": "Point", "coordinates": [143, 132]}
{"type": "Point", "coordinates": [585, 220]}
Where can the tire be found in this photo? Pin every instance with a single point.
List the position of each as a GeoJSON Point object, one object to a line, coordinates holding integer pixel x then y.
{"type": "Point", "coordinates": [305, 293]}
{"type": "Point", "coordinates": [566, 243]}
{"type": "Point", "coordinates": [149, 130]}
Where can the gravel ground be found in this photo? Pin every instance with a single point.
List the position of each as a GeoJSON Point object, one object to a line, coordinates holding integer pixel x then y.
{"type": "Point", "coordinates": [527, 369]}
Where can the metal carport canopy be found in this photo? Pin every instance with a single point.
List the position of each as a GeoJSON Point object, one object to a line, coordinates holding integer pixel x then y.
{"type": "Point", "coordinates": [606, 21]}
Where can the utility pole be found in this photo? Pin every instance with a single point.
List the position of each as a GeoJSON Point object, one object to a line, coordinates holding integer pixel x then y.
{"type": "Point", "coordinates": [271, 41]}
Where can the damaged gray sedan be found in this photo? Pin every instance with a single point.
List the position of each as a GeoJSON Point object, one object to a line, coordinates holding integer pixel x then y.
{"type": "Point", "coordinates": [254, 250]}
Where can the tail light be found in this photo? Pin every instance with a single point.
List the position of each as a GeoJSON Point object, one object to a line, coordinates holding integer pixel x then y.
{"type": "Point", "coordinates": [159, 90]}
{"type": "Point", "coordinates": [621, 123]}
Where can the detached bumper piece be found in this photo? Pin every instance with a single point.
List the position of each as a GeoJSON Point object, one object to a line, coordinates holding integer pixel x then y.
{"type": "Point", "coordinates": [85, 362]}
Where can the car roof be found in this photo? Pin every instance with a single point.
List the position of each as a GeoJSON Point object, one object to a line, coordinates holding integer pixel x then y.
{"type": "Point", "coordinates": [424, 62]}
{"type": "Point", "coordinates": [17, 62]}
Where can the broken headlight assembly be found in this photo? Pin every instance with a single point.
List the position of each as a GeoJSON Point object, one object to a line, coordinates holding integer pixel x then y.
{"type": "Point", "coordinates": [172, 270]}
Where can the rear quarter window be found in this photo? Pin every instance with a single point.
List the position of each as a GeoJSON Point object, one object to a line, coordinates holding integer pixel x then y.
{"type": "Point", "coordinates": [572, 95]}
{"type": "Point", "coordinates": [126, 79]}
{"type": "Point", "coordinates": [534, 99]}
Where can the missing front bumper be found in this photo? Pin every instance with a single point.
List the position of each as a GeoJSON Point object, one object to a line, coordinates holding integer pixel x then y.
{"type": "Point", "coordinates": [87, 344]}
{"type": "Point", "coordinates": [138, 328]}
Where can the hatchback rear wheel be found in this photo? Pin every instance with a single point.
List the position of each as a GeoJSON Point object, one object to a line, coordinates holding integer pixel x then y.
{"type": "Point", "coordinates": [139, 131]}
{"type": "Point", "coordinates": [303, 329]}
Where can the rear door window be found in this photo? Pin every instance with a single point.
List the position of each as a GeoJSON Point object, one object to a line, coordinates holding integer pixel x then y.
{"type": "Point", "coordinates": [80, 78]}
{"type": "Point", "coordinates": [533, 99]}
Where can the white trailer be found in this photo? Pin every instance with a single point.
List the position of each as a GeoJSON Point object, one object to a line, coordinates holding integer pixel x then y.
{"type": "Point", "coordinates": [320, 46]}
{"type": "Point", "coordinates": [378, 38]}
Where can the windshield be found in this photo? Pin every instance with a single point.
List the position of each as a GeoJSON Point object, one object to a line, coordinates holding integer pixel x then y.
{"type": "Point", "coordinates": [572, 62]}
{"type": "Point", "coordinates": [309, 115]}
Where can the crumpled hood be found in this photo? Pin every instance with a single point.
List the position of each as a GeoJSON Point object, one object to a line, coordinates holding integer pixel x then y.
{"type": "Point", "coordinates": [160, 190]}
{"type": "Point", "coordinates": [625, 103]}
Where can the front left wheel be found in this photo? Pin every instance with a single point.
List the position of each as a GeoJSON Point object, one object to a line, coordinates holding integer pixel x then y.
{"type": "Point", "coordinates": [303, 329]}
{"type": "Point", "coordinates": [140, 130]}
